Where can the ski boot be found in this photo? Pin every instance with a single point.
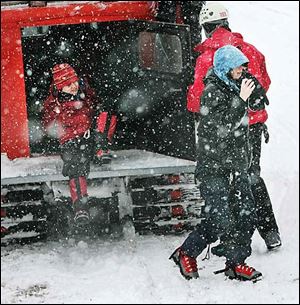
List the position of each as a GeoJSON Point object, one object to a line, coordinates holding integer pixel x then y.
{"type": "Point", "coordinates": [187, 265]}
{"type": "Point", "coordinates": [82, 215]}
{"type": "Point", "coordinates": [242, 272]}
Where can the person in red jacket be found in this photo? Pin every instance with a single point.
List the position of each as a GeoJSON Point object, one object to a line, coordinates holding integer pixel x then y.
{"type": "Point", "coordinates": [71, 108]}
{"type": "Point", "coordinates": [214, 20]}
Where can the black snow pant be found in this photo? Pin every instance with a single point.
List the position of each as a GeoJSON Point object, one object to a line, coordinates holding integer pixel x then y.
{"type": "Point", "coordinates": [229, 212]}
{"type": "Point", "coordinates": [265, 215]}
{"type": "Point", "coordinates": [76, 155]}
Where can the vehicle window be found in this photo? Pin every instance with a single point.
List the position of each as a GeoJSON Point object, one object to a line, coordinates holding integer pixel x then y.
{"type": "Point", "coordinates": [35, 31]}
{"type": "Point", "coordinates": [162, 52]}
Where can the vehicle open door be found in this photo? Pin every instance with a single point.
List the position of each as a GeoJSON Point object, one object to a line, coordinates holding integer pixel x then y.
{"type": "Point", "coordinates": [139, 69]}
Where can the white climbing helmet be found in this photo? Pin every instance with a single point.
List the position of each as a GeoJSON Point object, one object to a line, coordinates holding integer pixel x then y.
{"type": "Point", "coordinates": [212, 11]}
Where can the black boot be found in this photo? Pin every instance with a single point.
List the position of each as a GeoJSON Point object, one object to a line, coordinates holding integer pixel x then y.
{"type": "Point", "coordinates": [82, 215]}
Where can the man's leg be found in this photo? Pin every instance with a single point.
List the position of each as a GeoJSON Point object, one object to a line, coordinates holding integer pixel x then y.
{"type": "Point", "coordinates": [215, 190]}
{"type": "Point", "coordinates": [267, 225]}
{"type": "Point", "coordinates": [216, 213]}
{"type": "Point", "coordinates": [238, 242]}
{"type": "Point", "coordinates": [242, 206]}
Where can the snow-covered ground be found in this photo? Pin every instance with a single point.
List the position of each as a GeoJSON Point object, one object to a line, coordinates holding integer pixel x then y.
{"type": "Point", "coordinates": [138, 270]}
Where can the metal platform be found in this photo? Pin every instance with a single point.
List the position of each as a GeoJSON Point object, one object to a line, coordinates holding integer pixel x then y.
{"type": "Point", "coordinates": [125, 163]}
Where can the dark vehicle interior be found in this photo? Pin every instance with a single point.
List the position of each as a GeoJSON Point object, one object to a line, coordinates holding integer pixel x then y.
{"type": "Point", "coordinates": [139, 70]}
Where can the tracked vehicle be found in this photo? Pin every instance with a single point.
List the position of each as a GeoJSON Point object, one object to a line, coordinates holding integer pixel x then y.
{"type": "Point", "coordinates": [142, 67]}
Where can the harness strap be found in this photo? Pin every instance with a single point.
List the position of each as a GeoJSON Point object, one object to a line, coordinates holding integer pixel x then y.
{"type": "Point", "coordinates": [207, 255]}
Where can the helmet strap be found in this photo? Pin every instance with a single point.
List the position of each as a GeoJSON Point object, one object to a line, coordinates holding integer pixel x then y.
{"type": "Point", "coordinates": [210, 27]}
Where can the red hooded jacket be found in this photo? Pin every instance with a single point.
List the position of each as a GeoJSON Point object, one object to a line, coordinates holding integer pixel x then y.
{"type": "Point", "coordinates": [74, 117]}
{"type": "Point", "coordinates": [207, 49]}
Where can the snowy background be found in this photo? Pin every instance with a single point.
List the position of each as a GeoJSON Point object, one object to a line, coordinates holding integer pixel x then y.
{"type": "Point", "coordinates": [138, 270]}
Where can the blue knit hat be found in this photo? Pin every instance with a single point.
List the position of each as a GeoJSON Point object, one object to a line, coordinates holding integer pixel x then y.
{"type": "Point", "coordinates": [226, 59]}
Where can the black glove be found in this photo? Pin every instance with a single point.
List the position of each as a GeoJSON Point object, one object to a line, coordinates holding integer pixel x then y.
{"type": "Point", "coordinates": [258, 98]}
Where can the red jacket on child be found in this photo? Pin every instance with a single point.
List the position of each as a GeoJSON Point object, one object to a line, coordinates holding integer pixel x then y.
{"type": "Point", "coordinates": [72, 114]}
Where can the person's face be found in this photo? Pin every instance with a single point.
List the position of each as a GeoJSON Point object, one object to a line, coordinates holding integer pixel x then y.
{"type": "Point", "coordinates": [236, 73]}
{"type": "Point", "coordinates": [71, 89]}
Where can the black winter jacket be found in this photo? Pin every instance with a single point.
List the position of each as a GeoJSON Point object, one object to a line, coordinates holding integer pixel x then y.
{"type": "Point", "coordinates": [223, 129]}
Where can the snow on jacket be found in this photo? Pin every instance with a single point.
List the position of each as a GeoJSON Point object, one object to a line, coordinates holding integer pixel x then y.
{"type": "Point", "coordinates": [72, 113]}
{"type": "Point", "coordinates": [223, 123]}
{"type": "Point", "coordinates": [207, 49]}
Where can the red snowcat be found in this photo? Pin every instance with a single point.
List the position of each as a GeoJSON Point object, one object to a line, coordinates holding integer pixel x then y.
{"type": "Point", "coordinates": [143, 68]}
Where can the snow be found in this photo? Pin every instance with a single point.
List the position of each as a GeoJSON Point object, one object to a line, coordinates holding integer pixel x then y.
{"type": "Point", "coordinates": [137, 270]}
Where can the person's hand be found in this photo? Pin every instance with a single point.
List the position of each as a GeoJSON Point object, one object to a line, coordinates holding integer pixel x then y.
{"type": "Point", "coordinates": [247, 88]}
